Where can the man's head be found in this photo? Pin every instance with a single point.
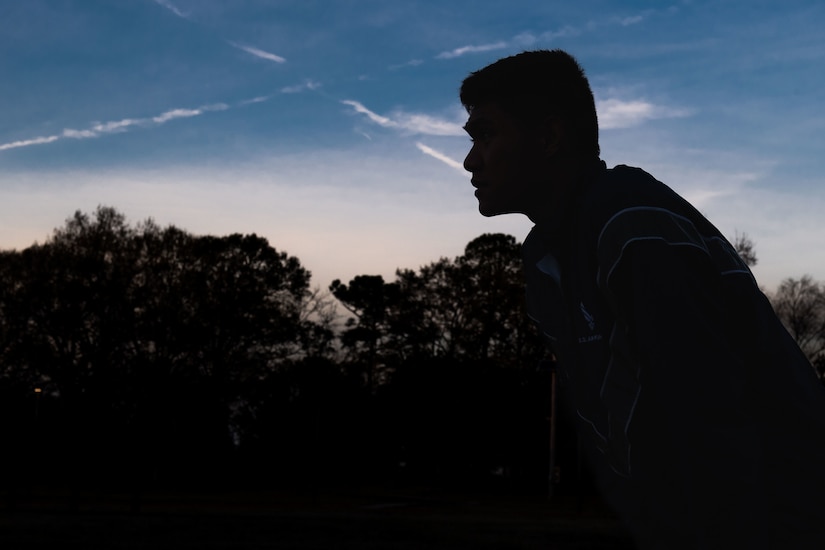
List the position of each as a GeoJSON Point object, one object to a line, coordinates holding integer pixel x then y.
{"type": "Point", "coordinates": [532, 120]}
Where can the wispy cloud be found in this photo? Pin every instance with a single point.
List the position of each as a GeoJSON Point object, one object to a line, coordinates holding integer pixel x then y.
{"type": "Point", "coordinates": [186, 113]}
{"type": "Point", "coordinates": [297, 88]}
{"type": "Point", "coordinates": [522, 40]}
{"type": "Point", "coordinates": [28, 142]}
{"type": "Point", "coordinates": [528, 39]}
{"type": "Point", "coordinates": [78, 134]}
{"type": "Point", "coordinates": [111, 127]}
{"type": "Point", "coordinates": [98, 129]}
{"type": "Point", "coordinates": [631, 20]}
{"type": "Point", "coordinates": [418, 123]}
{"type": "Point", "coordinates": [171, 7]}
{"type": "Point", "coordinates": [258, 99]}
{"type": "Point", "coordinates": [464, 50]}
{"type": "Point", "coordinates": [413, 123]}
{"type": "Point", "coordinates": [376, 118]}
{"type": "Point", "coordinates": [616, 113]}
{"type": "Point", "coordinates": [175, 113]}
{"type": "Point", "coordinates": [438, 155]}
{"type": "Point", "coordinates": [257, 52]}
{"type": "Point", "coordinates": [115, 125]}
{"type": "Point", "coordinates": [410, 63]}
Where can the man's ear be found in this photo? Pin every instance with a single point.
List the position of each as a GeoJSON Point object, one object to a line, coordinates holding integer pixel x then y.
{"type": "Point", "coordinates": [552, 135]}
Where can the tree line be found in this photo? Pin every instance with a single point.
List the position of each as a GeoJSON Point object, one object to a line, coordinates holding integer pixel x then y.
{"type": "Point", "coordinates": [134, 357]}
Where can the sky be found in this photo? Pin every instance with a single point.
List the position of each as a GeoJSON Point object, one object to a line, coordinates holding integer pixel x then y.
{"type": "Point", "coordinates": [333, 127]}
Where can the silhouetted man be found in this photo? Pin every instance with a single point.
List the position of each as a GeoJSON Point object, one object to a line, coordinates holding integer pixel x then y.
{"type": "Point", "coordinates": [704, 422]}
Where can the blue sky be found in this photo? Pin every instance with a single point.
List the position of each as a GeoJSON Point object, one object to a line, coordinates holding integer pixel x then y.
{"type": "Point", "coordinates": [333, 127]}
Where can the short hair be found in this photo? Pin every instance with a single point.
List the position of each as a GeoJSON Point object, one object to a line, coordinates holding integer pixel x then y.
{"type": "Point", "coordinates": [535, 84]}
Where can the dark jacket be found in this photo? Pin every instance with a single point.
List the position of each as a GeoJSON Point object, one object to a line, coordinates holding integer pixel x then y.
{"type": "Point", "coordinates": [704, 421]}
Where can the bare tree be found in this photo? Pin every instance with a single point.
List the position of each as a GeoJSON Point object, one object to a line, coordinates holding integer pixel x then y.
{"type": "Point", "coordinates": [745, 247]}
{"type": "Point", "coordinates": [800, 304]}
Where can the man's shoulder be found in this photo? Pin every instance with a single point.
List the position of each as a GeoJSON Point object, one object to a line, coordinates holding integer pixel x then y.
{"type": "Point", "coordinates": [626, 187]}
{"type": "Point", "coordinates": [627, 184]}
{"type": "Point", "coordinates": [598, 201]}
{"type": "Point", "coordinates": [617, 189]}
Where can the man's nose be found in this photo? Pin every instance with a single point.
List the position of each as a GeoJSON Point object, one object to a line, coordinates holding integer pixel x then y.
{"type": "Point", "coordinates": [472, 162]}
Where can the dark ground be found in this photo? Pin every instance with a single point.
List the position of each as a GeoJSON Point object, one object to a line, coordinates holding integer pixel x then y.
{"type": "Point", "coordinates": [342, 520]}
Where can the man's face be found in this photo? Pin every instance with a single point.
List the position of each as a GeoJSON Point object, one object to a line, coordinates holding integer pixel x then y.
{"type": "Point", "coordinates": [506, 162]}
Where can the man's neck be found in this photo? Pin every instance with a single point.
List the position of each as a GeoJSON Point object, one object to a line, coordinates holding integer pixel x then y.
{"type": "Point", "coordinates": [555, 206]}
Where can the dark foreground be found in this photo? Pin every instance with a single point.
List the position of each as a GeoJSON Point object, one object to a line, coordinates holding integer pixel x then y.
{"type": "Point", "coordinates": [365, 520]}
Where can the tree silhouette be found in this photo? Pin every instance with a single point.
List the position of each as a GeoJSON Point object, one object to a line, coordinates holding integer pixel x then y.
{"type": "Point", "coordinates": [745, 247]}
{"type": "Point", "coordinates": [800, 304]}
{"type": "Point", "coordinates": [167, 358]}
{"type": "Point", "coordinates": [458, 358]}
{"type": "Point", "coordinates": [494, 292]}
{"type": "Point", "coordinates": [145, 337]}
{"type": "Point", "coordinates": [368, 298]}
{"type": "Point", "coordinates": [471, 307]}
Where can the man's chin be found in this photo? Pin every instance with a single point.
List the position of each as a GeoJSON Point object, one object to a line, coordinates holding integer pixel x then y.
{"type": "Point", "coordinates": [489, 212]}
